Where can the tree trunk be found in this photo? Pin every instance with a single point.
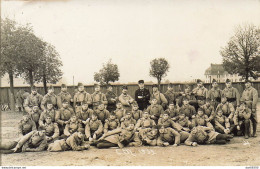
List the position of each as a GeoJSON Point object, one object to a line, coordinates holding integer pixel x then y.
{"type": "Point", "coordinates": [44, 83]}
{"type": "Point", "coordinates": [31, 77]}
{"type": "Point", "coordinates": [12, 98]}
{"type": "Point", "coordinates": [159, 83]}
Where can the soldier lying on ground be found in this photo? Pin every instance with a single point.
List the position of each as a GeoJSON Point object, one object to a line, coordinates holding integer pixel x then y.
{"type": "Point", "coordinates": [147, 136]}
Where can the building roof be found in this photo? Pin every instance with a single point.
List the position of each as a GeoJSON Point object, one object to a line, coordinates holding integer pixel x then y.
{"type": "Point", "coordinates": [215, 69]}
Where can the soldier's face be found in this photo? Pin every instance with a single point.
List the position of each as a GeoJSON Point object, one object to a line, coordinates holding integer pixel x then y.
{"type": "Point", "coordinates": [242, 106]}
{"type": "Point", "coordinates": [154, 101]}
{"type": "Point", "coordinates": [42, 133]}
{"type": "Point", "coordinates": [80, 135]}
{"type": "Point", "coordinates": [50, 91]}
{"type": "Point", "coordinates": [161, 130]}
{"type": "Point", "coordinates": [64, 89]}
{"type": "Point", "coordinates": [101, 107]}
{"type": "Point", "coordinates": [223, 100]}
{"type": "Point", "coordinates": [85, 106]}
{"type": "Point", "coordinates": [185, 102]}
{"type": "Point", "coordinates": [81, 88]}
{"type": "Point", "coordinates": [135, 107]}
{"type": "Point", "coordinates": [182, 116]}
{"type": "Point", "coordinates": [34, 92]}
{"type": "Point", "coordinates": [155, 89]}
{"type": "Point", "coordinates": [199, 84]}
{"type": "Point", "coordinates": [248, 85]}
{"type": "Point", "coordinates": [119, 105]}
{"type": "Point", "coordinates": [128, 115]}
{"type": "Point", "coordinates": [220, 113]}
{"type": "Point", "coordinates": [112, 117]}
{"type": "Point", "coordinates": [25, 118]}
{"type": "Point", "coordinates": [48, 120]}
{"type": "Point", "coordinates": [214, 84]}
{"type": "Point", "coordinates": [65, 105]}
{"type": "Point", "coordinates": [200, 113]}
{"type": "Point", "coordinates": [73, 119]}
{"type": "Point", "coordinates": [97, 88]}
{"type": "Point", "coordinates": [165, 116]}
{"type": "Point", "coordinates": [154, 132]}
{"type": "Point", "coordinates": [145, 115]}
{"type": "Point", "coordinates": [131, 127]}
{"type": "Point", "coordinates": [49, 106]}
{"type": "Point", "coordinates": [171, 106]}
{"type": "Point", "coordinates": [124, 91]}
{"type": "Point", "coordinates": [94, 117]}
{"type": "Point", "coordinates": [35, 109]}
{"type": "Point", "coordinates": [141, 85]}
{"type": "Point", "coordinates": [228, 84]}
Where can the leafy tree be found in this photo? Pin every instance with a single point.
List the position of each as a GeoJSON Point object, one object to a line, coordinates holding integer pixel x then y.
{"type": "Point", "coordinates": [49, 70]}
{"type": "Point", "coordinates": [159, 69]}
{"type": "Point", "coordinates": [242, 54]}
{"type": "Point", "coordinates": [109, 73]}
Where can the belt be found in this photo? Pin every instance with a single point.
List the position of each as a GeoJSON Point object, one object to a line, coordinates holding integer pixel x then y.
{"type": "Point", "coordinates": [231, 99]}
{"type": "Point", "coordinates": [201, 98]}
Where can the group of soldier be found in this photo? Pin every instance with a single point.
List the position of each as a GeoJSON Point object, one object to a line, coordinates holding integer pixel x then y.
{"type": "Point", "coordinates": [199, 116]}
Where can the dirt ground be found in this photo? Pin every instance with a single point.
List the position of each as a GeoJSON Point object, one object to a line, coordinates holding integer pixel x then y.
{"type": "Point", "coordinates": [239, 152]}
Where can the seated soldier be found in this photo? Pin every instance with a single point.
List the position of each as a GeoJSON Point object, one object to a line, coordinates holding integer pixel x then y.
{"type": "Point", "coordinates": [144, 122]}
{"type": "Point", "coordinates": [120, 111]}
{"type": "Point", "coordinates": [242, 120]}
{"type": "Point", "coordinates": [117, 138]}
{"type": "Point", "coordinates": [63, 116]}
{"type": "Point", "coordinates": [26, 125]}
{"type": "Point", "coordinates": [136, 113]}
{"type": "Point", "coordinates": [75, 142]}
{"type": "Point", "coordinates": [35, 114]}
{"type": "Point", "coordinates": [72, 126]}
{"type": "Point", "coordinates": [93, 128]}
{"type": "Point", "coordinates": [187, 109]}
{"type": "Point", "coordinates": [169, 136]}
{"type": "Point", "coordinates": [222, 124]}
{"type": "Point", "coordinates": [201, 119]}
{"type": "Point", "coordinates": [52, 130]}
{"type": "Point", "coordinates": [209, 110]}
{"type": "Point", "coordinates": [102, 113]}
{"type": "Point", "coordinates": [111, 123]}
{"type": "Point", "coordinates": [227, 109]}
{"type": "Point", "coordinates": [32, 142]}
{"type": "Point", "coordinates": [84, 113]}
{"type": "Point", "coordinates": [172, 111]}
{"type": "Point", "coordinates": [206, 135]}
{"type": "Point", "coordinates": [127, 119]}
{"type": "Point", "coordinates": [49, 111]}
{"type": "Point", "coordinates": [155, 110]}
{"type": "Point", "coordinates": [184, 122]}
{"type": "Point", "coordinates": [147, 136]}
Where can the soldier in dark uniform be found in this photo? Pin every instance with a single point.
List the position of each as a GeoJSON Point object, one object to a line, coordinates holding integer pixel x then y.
{"type": "Point", "coordinates": [63, 95]}
{"type": "Point", "coordinates": [142, 96]}
{"type": "Point", "coordinates": [214, 94]}
{"type": "Point", "coordinates": [111, 98]}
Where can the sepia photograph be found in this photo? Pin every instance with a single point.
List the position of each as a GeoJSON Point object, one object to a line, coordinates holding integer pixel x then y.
{"type": "Point", "coordinates": [130, 83]}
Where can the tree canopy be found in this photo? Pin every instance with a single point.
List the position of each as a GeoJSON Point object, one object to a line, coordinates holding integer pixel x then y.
{"type": "Point", "coordinates": [159, 69]}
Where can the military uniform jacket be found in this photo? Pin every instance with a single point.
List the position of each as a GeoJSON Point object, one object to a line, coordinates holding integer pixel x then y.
{"type": "Point", "coordinates": [170, 96]}
{"type": "Point", "coordinates": [102, 115]}
{"type": "Point", "coordinates": [126, 122]}
{"type": "Point", "coordinates": [241, 115]}
{"type": "Point", "coordinates": [98, 97]}
{"type": "Point", "coordinates": [137, 114]}
{"type": "Point", "coordinates": [75, 143]}
{"type": "Point", "coordinates": [93, 126]}
{"type": "Point", "coordinates": [173, 114]}
{"type": "Point", "coordinates": [79, 97]}
{"type": "Point", "coordinates": [209, 111]}
{"type": "Point", "coordinates": [227, 108]}
{"type": "Point", "coordinates": [72, 127]}
{"type": "Point", "coordinates": [33, 100]}
{"type": "Point", "coordinates": [171, 136]}
{"type": "Point", "coordinates": [155, 110]}
{"type": "Point", "coordinates": [35, 116]}
{"type": "Point", "coordinates": [231, 93]}
{"type": "Point", "coordinates": [161, 100]}
{"type": "Point", "coordinates": [145, 123]}
{"type": "Point", "coordinates": [83, 115]}
{"type": "Point", "coordinates": [123, 135]}
{"type": "Point", "coordinates": [125, 99]}
{"type": "Point", "coordinates": [222, 122]}
{"type": "Point", "coordinates": [188, 110]}
{"type": "Point", "coordinates": [26, 127]}
{"type": "Point", "coordinates": [199, 120]}
{"type": "Point", "coordinates": [48, 97]}
{"type": "Point", "coordinates": [145, 134]}
{"type": "Point", "coordinates": [45, 113]}
{"type": "Point", "coordinates": [184, 122]}
{"type": "Point", "coordinates": [144, 101]}
{"type": "Point", "coordinates": [110, 103]}
{"type": "Point", "coordinates": [111, 124]}
{"type": "Point", "coordinates": [250, 96]}
{"type": "Point", "coordinates": [63, 96]}
{"type": "Point", "coordinates": [200, 92]}
{"type": "Point", "coordinates": [214, 94]}
{"type": "Point", "coordinates": [64, 115]}
{"type": "Point", "coordinates": [120, 113]}
{"type": "Point", "coordinates": [52, 130]}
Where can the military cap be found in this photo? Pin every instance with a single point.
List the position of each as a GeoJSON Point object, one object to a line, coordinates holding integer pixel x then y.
{"type": "Point", "coordinates": [96, 85]}
{"type": "Point", "coordinates": [198, 80]}
{"type": "Point", "coordinates": [124, 87]}
{"type": "Point", "coordinates": [185, 98]}
{"type": "Point", "coordinates": [50, 87]}
{"type": "Point", "coordinates": [154, 85]}
{"type": "Point", "coordinates": [228, 80]}
{"type": "Point", "coordinates": [33, 88]}
{"type": "Point", "coordinates": [141, 81]}
{"type": "Point", "coordinates": [80, 84]}
{"type": "Point", "coordinates": [65, 101]}
{"type": "Point", "coordinates": [200, 109]}
{"type": "Point", "coordinates": [63, 85]}
{"type": "Point", "coordinates": [214, 80]}
{"type": "Point", "coordinates": [134, 103]}
{"type": "Point", "coordinates": [94, 113]}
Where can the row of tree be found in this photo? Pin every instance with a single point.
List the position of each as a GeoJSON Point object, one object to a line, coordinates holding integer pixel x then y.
{"type": "Point", "coordinates": [25, 55]}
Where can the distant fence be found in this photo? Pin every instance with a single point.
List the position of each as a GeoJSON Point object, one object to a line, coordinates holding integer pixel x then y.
{"type": "Point", "coordinates": [5, 91]}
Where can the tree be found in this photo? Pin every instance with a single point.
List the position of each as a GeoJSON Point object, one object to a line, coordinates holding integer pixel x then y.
{"type": "Point", "coordinates": [242, 54]}
{"type": "Point", "coordinates": [109, 73]}
{"type": "Point", "coordinates": [49, 70]}
{"type": "Point", "coordinates": [10, 38]}
{"type": "Point", "coordinates": [159, 69]}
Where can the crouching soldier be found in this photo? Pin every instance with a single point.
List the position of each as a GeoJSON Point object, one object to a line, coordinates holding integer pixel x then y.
{"type": "Point", "coordinates": [52, 130]}
{"type": "Point", "coordinates": [102, 113]}
{"type": "Point", "coordinates": [75, 142]}
{"type": "Point", "coordinates": [72, 126]}
{"type": "Point", "coordinates": [222, 124]}
{"type": "Point", "coordinates": [32, 142]}
{"type": "Point", "coordinates": [209, 110]}
{"type": "Point", "coordinates": [169, 136]}
{"type": "Point", "coordinates": [117, 138]}
{"type": "Point", "coordinates": [35, 114]}
{"type": "Point", "coordinates": [136, 113]}
{"type": "Point", "coordinates": [111, 123]}
{"type": "Point", "coordinates": [93, 129]}
{"type": "Point", "coordinates": [201, 119]}
{"type": "Point", "coordinates": [144, 122]}
{"type": "Point", "coordinates": [26, 125]}
{"type": "Point", "coordinates": [242, 120]}
{"type": "Point", "coordinates": [127, 119]}
{"type": "Point", "coordinates": [172, 111]}
{"type": "Point", "coordinates": [206, 135]}
{"type": "Point", "coordinates": [120, 111]}
{"type": "Point", "coordinates": [146, 136]}
{"type": "Point", "coordinates": [48, 112]}
{"type": "Point", "coordinates": [155, 110]}
{"type": "Point", "coordinates": [184, 122]}
{"type": "Point", "coordinates": [187, 109]}
{"type": "Point", "coordinates": [85, 113]}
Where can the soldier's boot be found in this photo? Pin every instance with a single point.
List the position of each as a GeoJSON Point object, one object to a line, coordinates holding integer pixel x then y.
{"type": "Point", "coordinates": [254, 128]}
{"type": "Point", "coordinates": [247, 127]}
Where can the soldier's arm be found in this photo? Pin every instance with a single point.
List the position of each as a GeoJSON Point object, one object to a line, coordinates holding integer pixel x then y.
{"type": "Point", "coordinates": [104, 99]}
{"type": "Point", "coordinates": [59, 102]}
{"type": "Point", "coordinates": [232, 111]}
{"type": "Point", "coordinates": [227, 123]}
{"type": "Point", "coordinates": [212, 115]}
{"type": "Point", "coordinates": [58, 118]}
{"type": "Point", "coordinates": [20, 129]}
{"type": "Point", "coordinates": [26, 103]}
{"type": "Point", "coordinates": [190, 140]}
{"type": "Point", "coordinates": [41, 119]}
{"type": "Point", "coordinates": [235, 118]}
{"type": "Point", "coordinates": [138, 124]}
{"type": "Point", "coordinates": [66, 130]}
{"type": "Point", "coordinates": [164, 100]}
{"type": "Point", "coordinates": [176, 126]}
{"type": "Point", "coordinates": [255, 99]}
{"type": "Point", "coordinates": [193, 111]}
{"type": "Point", "coordinates": [177, 136]}
{"type": "Point", "coordinates": [41, 147]}
{"type": "Point", "coordinates": [43, 102]}
{"type": "Point", "coordinates": [112, 132]}
{"type": "Point", "coordinates": [56, 131]}
{"type": "Point", "coordinates": [89, 99]}
{"type": "Point", "coordinates": [33, 125]}
{"type": "Point", "coordinates": [87, 130]}
{"type": "Point", "coordinates": [124, 103]}
{"type": "Point", "coordinates": [100, 128]}
{"type": "Point", "coordinates": [237, 96]}
{"type": "Point", "coordinates": [74, 101]}
{"type": "Point", "coordinates": [24, 139]}
{"type": "Point", "coordinates": [106, 126]}
{"type": "Point", "coordinates": [247, 115]}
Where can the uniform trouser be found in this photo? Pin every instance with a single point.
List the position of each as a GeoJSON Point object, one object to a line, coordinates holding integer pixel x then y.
{"type": "Point", "coordinates": [223, 138]}
{"type": "Point", "coordinates": [254, 122]}
{"type": "Point", "coordinates": [105, 144]}
{"type": "Point", "coordinates": [220, 130]}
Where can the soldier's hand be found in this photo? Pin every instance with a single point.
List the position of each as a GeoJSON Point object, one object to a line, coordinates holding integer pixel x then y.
{"type": "Point", "coordinates": [226, 131]}
{"type": "Point", "coordinates": [166, 144]}
{"type": "Point", "coordinates": [186, 129]}
{"type": "Point", "coordinates": [238, 127]}
{"type": "Point", "coordinates": [90, 139]}
{"type": "Point", "coordinates": [15, 149]}
{"type": "Point", "coordinates": [152, 116]}
{"type": "Point", "coordinates": [194, 144]}
{"type": "Point", "coordinates": [207, 120]}
{"type": "Point", "coordinates": [87, 146]}
{"type": "Point", "coordinates": [253, 110]}
{"type": "Point", "coordinates": [175, 145]}
{"type": "Point", "coordinates": [95, 136]}
{"type": "Point", "coordinates": [66, 122]}
{"type": "Point", "coordinates": [193, 116]}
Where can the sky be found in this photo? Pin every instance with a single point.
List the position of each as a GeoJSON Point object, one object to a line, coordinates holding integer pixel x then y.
{"type": "Point", "coordinates": [87, 33]}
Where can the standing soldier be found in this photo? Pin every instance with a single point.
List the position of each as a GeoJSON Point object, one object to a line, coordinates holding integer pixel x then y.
{"type": "Point", "coordinates": [231, 94]}
{"type": "Point", "coordinates": [64, 95]}
{"type": "Point", "coordinates": [250, 96]}
{"type": "Point", "coordinates": [98, 97]}
{"type": "Point", "coordinates": [170, 95]}
{"type": "Point", "coordinates": [214, 94]}
{"type": "Point", "coordinates": [34, 99]}
{"type": "Point", "coordinates": [81, 96]}
{"type": "Point", "coordinates": [50, 96]}
{"type": "Point", "coordinates": [19, 99]}
{"type": "Point", "coordinates": [200, 93]}
{"type": "Point", "coordinates": [111, 98]}
{"type": "Point", "coordinates": [161, 100]}
{"type": "Point", "coordinates": [142, 96]}
{"type": "Point", "coordinates": [126, 99]}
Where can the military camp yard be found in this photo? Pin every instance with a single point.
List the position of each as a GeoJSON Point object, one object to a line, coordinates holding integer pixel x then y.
{"type": "Point", "coordinates": [238, 152]}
